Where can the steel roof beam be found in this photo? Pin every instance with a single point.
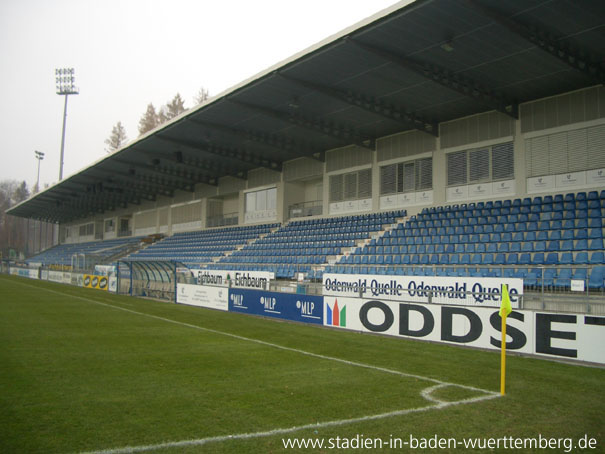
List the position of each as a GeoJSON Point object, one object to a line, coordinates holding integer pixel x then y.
{"type": "Point", "coordinates": [240, 156]}
{"type": "Point", "coordinates": [317, 125]}
{"type": "Point", "coordinates": [168, 182]}
{"type": "Point", "coordinates": [130, 183]}
{"type": "Point", "coordinates": [446, 78]}
{"type": "Point", "coordinates": [274, 141]}
{"type": "Point", "coordinates": [370, 104]}
{"type": "Point", "coordinates": [176, 158]}
{"type": "Point", "coordinates": [546, 42]}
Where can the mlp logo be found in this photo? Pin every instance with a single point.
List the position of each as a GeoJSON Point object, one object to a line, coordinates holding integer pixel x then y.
{"type": "Point", "coordinates": [336, 316]}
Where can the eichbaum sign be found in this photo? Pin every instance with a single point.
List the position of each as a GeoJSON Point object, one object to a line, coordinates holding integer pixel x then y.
{"type": "Point", "coordinates": [467, 291]}
{"type": "Point", "coordinates": [258, 280]}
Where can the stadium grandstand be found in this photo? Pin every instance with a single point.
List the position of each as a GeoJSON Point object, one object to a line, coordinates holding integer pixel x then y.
{"type": "Point", "coordinates": [435, 138]}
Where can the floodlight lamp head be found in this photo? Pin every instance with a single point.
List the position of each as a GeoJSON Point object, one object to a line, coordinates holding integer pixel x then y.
{"type": "Point", "coordinates": [65, 81]}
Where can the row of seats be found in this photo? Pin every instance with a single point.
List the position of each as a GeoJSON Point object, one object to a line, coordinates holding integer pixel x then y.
{"type": "Point", "coordinates": [539, 258]}
{"type": "Point", "coordinates": [201, 246]}
{"type": "Point", "coordinates": [62, 254]}
{"type": "Point", "coordinates": [300, 245]}
{"type": "Point", "coordinates": [579, 239]}
{"type": "Point", "coordinates": [496, 215]}
{"type": "Point", "coordinates": [495, 225]}
{"type": "Point", "coordinates": [527, 201]}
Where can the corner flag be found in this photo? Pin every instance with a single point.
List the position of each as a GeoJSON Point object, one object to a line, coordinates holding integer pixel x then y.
{"type": "Point", "coordinates": [505, 309]}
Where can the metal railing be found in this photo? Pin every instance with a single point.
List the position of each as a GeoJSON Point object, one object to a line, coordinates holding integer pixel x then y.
{"type": "Point", "coordinates": [225, 219]}
{"type": "Point", "coordinates": [304, 209]}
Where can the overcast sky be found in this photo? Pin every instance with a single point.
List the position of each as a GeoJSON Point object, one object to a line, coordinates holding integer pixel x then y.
{"type": "Point", "coordinates": [128, 53]}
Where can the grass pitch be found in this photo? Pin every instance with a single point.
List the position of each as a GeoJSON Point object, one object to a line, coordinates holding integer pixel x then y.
{"type": "Point", "coordinates": [86, 371]}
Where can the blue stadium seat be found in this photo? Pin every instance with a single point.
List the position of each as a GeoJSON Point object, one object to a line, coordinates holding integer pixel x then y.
{"type": "Point", "coordinates": [597, 257]}
{"type": "Point", "coordinates": [566, 258]}
{"type": "Point", "coordinates": [552, 258]}
{"type": "Point", "coordinates": [512, 259]}
{"type": "Point", "coordinates": [563, 279]}
{"type": "Point", "coordinates": [597, 278]}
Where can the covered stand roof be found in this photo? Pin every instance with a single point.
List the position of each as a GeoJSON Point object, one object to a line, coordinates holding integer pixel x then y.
{"type": "Point", "coordinates": [409, 67]}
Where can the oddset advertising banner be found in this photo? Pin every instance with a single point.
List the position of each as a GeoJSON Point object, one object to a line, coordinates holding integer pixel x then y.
{"type": "Point", "coordinates": [564, 336]}
{"type": "Point", "coordinates": [467, 291]}
{"type": "Point", "coordinates": [287, 306]}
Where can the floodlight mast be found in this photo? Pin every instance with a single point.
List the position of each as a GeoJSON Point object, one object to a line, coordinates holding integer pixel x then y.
{"type": "Point", "coordinates": [39, 157]}
{"type": "Point", "coordinates": [65, 79]}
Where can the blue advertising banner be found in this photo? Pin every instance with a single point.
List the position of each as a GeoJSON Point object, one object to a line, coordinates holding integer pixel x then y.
{"type": "Point", "coordinates": [288, 306]}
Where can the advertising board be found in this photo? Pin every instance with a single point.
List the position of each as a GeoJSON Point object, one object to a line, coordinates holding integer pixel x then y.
{"type": "Point", "coordinates": [287, 306]}
{"type": "Point", "coordinates": [468, 291]}
{"type": "Point", "coordinates": [563, 336]}
{"type": "Point", "coordinates": [96, 282]}
{"type": "Point", "coordinates": [238, 279]}
{"type": "Point", "coordinates": [24, 272]}
{"type": "Point", "coordinates": [203, 296]}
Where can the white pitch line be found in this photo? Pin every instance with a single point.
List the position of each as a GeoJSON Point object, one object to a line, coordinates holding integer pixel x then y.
{"type": "Point", "coordinates": [285, 431]}
{"type": "Point", "coordinates": [426, 393]}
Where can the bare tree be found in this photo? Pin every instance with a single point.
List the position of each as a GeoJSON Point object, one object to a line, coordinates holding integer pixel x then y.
{"type": "Point", "coordinates": [13, 236]}
{"type": "Point", "coordinates": [201, 96]}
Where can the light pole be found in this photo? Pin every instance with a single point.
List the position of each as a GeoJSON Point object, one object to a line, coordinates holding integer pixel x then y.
{"type": "Point", "coordinates": [39, 157]}
{"type": "Point", "coordinates": [65, 86]}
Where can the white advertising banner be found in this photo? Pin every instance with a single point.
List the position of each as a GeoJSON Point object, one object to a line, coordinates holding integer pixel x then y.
{"type": "Point", "coordinates": [595, 177]}
{"type": "Point", "coordinates": [503, 188]}
{"type": "Point", "coordinates": [203, 296]}
{"type": "Point", "coordinates": [62, 277]}
{"type": "Point", "coordinates": [541, 184]}
{"type": "Point", "coordinates": [24, 272]}
{"type": "Point", "coordinates": [564, 336]}
{"type": "Point", "coordinates": [481, 191]}
{"type": "Point", "coordinates": [113, 284]}
{"type": "Point", "coordinates": [56, 276]}
{"type": "Point", "coordinates": [350, 206]}
{"type": "Point", "coordinates": [468, 291]}
{"type": "Point", "coordinates": [238, 279]}
{"type": "Point", "coordinates": [406, 199]}
{"type": "Point", "coordinates": [567, 181]}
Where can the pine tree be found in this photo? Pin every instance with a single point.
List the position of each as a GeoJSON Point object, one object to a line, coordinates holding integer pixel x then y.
{"type": "Point", "coordinates": [149, 120]}
{"type": "Point", "coordinates": [117, 138]}
{"type": "Point", "coordinates": [175, 107]}
{"type": "Point", "coordinates": [163, 115]}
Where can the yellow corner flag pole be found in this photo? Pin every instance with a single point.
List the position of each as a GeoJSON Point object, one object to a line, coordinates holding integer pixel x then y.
{"type": "Point", "coordinates": [505, 309]}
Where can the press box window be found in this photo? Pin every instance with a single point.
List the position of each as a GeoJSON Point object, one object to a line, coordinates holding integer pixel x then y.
{"type": "Point", "coordinates": [406, 177]}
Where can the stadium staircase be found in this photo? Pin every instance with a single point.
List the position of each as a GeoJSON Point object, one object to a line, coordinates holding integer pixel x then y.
{"type": "Point", "coordinates": [201, 247]}
{"type": "Point", "coordinates": [306, 246]}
